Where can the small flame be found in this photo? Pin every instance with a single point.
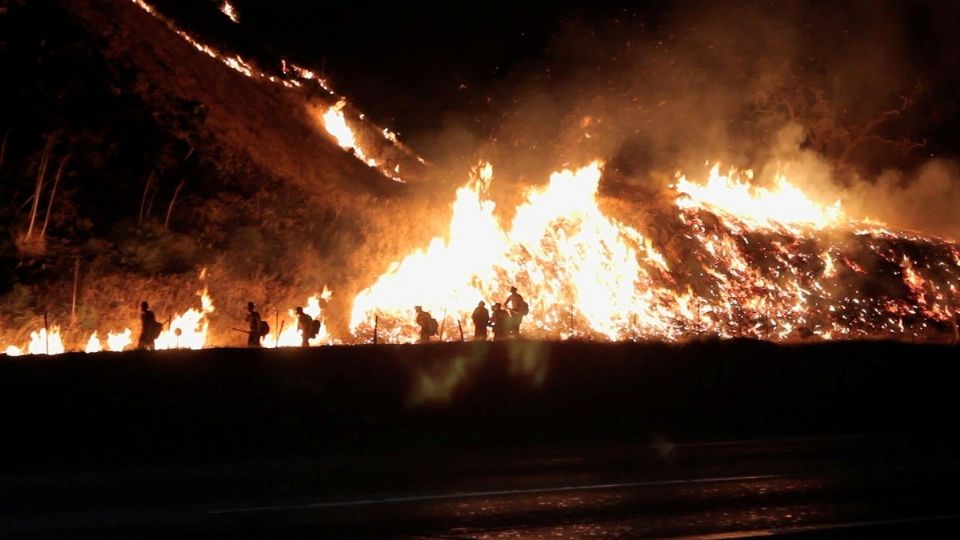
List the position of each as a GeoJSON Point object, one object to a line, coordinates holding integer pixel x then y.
{"type": "Point", "coordinates": [188, 330]}
{"type": "Point", "coordinates": [119, 341]}
{"type": "Point", "coordinates": [829, 270]}
{"type": "Point", "coordinates": [231, 12]}
{"type": "Point", "coordinates": [43, 343]}
{"type": "Point", "coordinates": [336, 124]}
{"type": "Point", "coordinates": [93, 344]}
{"type": "Point", "coordinates": [116, 341]}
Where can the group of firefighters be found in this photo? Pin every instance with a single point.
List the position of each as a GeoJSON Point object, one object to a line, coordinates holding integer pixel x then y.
{"type": "Point", "coordinates": [257, 328]}
{"type": "Point", "coordinates": [504, 319]}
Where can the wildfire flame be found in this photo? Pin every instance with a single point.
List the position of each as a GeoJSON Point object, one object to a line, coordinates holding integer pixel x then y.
{"type": "Point", "coordinates": [188, 330]}
{"type": "Point", "coordinates": [41, 342]}
{"type": "Point", "coordinates": [231, 12]}
{"type": "Point", "coordinates": [183, 331]}
{"type": "Point", "coordinates": [116, 341]}
{"type": "Point", "coordinates": [743, 261]}
{"type": "Point", "coordinates": [93, 344]}
{"type": "Point", "coordinates": [731, 260]}
{"type": "Point", "coordinates": [576, 265]}
{"type": "Point", "coordinates": [782, 205]}
{"type": "Point", "coordinates": [336, 124]}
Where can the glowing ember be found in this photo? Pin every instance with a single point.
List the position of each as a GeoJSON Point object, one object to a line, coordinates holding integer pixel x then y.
{"type": "Point", "coordinates": [829, 270]}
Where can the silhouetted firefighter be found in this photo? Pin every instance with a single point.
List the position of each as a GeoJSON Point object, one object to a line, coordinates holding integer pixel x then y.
{"type": "Point", "coordinates": [428, 325]}
{"type": "Point", "coordinates": [517, 307]}
{"type": "Point", "coordinates": [308, 327]}
{"type": "Point", "coordinates": [481, 320]}
{"type": "Point", "coordinates": [305, 325]}
{"type": "Point", "coordinates": [500, 321]}
{"type": "Point", "coordinates": [257, 328]}
{"type": "Point", "coordinates": [149, 327]}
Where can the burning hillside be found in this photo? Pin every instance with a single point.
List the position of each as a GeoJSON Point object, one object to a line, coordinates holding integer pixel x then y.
{"type": "Point", "coordinates": [741, 261]}
{"type": "Point", "coordinates": [296, 194]}
{"type": "Point", "coordinates": [376, 147]}
{"type": "Point", "coordinates": [738, 261]}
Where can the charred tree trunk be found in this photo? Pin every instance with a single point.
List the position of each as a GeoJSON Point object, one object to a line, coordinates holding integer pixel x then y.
{"type": "Point", "coordinates": [53, 193]}
{"type": "Point", "coordinates": [143, 200]}
{"type": "Point", "coordinates": [38, 190]}
{"type": "Point", "coordinates": [76, 284]}
{"type": "Point", "coordinates": [173, 200]}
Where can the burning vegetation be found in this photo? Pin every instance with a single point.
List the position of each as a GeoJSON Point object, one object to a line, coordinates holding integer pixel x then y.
{"type": "Point", "coordinates": [713, 251]}
{"type": "Point", "coordinates": [738, 261]}
{"type": "Point", "coordinates": [767, 263]}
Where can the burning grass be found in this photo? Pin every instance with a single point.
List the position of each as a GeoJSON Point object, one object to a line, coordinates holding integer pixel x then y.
{"type": "Point", "coordinates": [723, 256]}
{"type": "Point", "coordinates": [727, 259]}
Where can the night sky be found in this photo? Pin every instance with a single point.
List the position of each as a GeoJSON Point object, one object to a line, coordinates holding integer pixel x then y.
{"type": "Point", "coordinates": [407, 64]}
{"type": "Point", "coordinates": [420, 68]}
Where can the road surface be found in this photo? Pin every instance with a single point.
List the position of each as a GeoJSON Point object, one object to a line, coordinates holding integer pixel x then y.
{"type": "Point", "coordinates": [835, 486]}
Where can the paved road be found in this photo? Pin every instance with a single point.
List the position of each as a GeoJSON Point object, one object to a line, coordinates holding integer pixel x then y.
{"type": "Point", "coordinates": [900, 484]}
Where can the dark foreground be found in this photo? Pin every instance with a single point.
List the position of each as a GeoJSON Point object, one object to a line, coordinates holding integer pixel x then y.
{"type": "Point", "coordinates": [507, 440]}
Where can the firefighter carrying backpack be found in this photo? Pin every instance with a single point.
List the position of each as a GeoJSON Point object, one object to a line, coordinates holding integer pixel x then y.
{"type": "Point", "coordinates": [154, 330]}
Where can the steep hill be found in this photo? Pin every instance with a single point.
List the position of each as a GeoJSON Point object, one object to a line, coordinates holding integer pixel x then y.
{"type": "Point", "coordinates": [172, 162]}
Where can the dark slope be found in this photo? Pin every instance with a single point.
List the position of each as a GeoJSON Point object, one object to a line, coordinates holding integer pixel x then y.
{"type": "Point", "coordinates": [176, 163]}
{"type": "Point", "coordinates": [268, 122]}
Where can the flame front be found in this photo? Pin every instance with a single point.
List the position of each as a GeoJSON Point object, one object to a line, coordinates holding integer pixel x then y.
{"type": "Point", "coordinates": [769, 263]}
{"type": "Point", "coordinates": [783, 205]}
{"type": "Point", "coordinates": [187, 330]}
{"type": "Point", "coordinates": [577, 267]}
{"type": "Point", "coordinates": [41, 342]}
{"type": "Point", "coordinates": [336, 125]}
{"type": "Point", "coordinates": [727, 259]}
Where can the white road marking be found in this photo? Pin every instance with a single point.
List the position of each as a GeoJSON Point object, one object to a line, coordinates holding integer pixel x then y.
{"type": "Point", "coordinates": [493, 493]}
